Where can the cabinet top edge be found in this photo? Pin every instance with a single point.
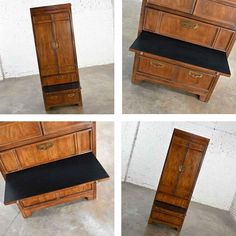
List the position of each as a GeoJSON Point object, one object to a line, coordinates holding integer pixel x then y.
{"type": "Point", "coordinates": [194, 137]}
{"type": "Point", "coordinates": [35, 10]}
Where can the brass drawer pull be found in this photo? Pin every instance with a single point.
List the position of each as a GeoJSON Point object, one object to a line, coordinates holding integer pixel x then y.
{"type": "Point", "coordinates": [157, 64]}
{"type": "Point", "coordinates": [181, 168]}
{"type": "Point", "coordinates": [44, 146]}
{"type": "Point", "coordinates": [71, 95]}
{"type": "Point", "coordinates": [55, 45]}
{"type": "Point", "coordinates": [195, 75]}
{"type": "Point", "coordinates": [188, 24]}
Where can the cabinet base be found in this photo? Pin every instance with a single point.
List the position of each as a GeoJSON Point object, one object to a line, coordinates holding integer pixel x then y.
{"type": "Point", "coordinates": [28, 211]}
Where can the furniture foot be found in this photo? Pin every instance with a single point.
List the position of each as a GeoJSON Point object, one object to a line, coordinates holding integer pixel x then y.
{"type": "Point", "coordinates": [150, 221]}
{"type": "Point", "coordinates": [204, 98]}
{"type": "Point", "coordinates": [134, 81]}
{"type": "Point", "coordinates": [25, 212]}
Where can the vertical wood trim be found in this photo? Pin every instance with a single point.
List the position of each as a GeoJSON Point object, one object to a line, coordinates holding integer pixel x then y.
{"type": "Point", "coordinates": [17, 159]}
{"type": "Point", "coordinates": [94, 148]}
{"type": "Point", "coordinates": [76, 143]}
{"type": "Point", "coordinates": [216, 37]}
{"type": "Point", "coordinates": [2, 167]}
{"type": "Point", "coordinates": [142, 15]}
{"type": "Point", "coordinates": [194, 6]}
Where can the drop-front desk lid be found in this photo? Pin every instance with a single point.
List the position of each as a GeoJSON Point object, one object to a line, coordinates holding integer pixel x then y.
{"type": "Point", "coordinates": [182, 51]}
{"type": "Point", "coordinates": [53, 176]}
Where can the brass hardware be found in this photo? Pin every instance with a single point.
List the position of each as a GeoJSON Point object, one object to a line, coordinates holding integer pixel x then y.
{"type": "Point", "coordinates": [71, 95]}
{"type": "Point", "coordinates": [55, 45]}
{"type": "Point", "coordinates": [141, 53]}
{"type": "Point", "coordinates": [181, 168]}
{"type": "Point", "coordinates": [44, 146]}
{"type": "Point", "coordinates": [195, 75]}
{"type": "Point", "coordinates": [188, 24]}
{"type": "Point", "coordinates": [157, 64]}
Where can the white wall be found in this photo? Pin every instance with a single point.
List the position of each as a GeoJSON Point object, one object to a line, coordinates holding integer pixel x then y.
{"type": "Point", "coordinates": [216, 184]}
{"type": "Point", "coordinates": [93, 27]}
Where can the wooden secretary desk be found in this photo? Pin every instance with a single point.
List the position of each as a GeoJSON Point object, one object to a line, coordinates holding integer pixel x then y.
{"type": "Point", "coordinates": [179, 175]}
{"type": "Point", "coordinates": [48, 163]}
{"type": "Point", "coordinates": [184, 44]}
{"type": "Point", "coordinates": [56, 54]}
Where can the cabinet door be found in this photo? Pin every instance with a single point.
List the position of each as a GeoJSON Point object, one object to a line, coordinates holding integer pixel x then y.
{"type": "Point", "coordinates": [45, 46]}
{"type": "Point", "coordinates": [188, 173]}
{"type": "Point", "coordinates": [64, 35]}
{"type": "Point", "coordinates": [170, 174]}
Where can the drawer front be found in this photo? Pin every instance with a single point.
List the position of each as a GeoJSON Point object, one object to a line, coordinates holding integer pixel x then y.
{"type": "Point", "coordinates": [9, 162]}
{"type": "Point", "coordinates": [75, 190]}
{"type": "Point", "coordinates": [47, 151]}
{"type": "Point", "coordinates": [59, 79]}
{"type": "Point", "coordinates": [191, 78]}
{"type": "Point", "coordinates": [54, 127]}
{"type": "Point", "coordinates": [188, 30]}
{"type": "Point", "coordinates": [62, 98]}
{"type": "Point", "coordinates": [162, 197]}
{"type": "Point", "coordinates": [84, 141]}
{"type": "Point", "coordinates": [18, 131]}
{"type": "Point", "coordinates": [39, 199]}
{"type": "Point", "coordinates": [173, 220]}
{"type": "Point", "coordinates": [216, 11]}
{"type": "Point", "coordinates": [166, 211]}
{"type": "Point", "coordinates": [179, 5]}
{"type": "Point", "coordinates": [156, 68]}
{"type": "Point", "coordinates": [223, 40]}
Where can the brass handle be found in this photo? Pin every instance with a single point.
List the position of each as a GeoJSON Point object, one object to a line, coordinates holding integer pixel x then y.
{"type": "Point", "coordinates": [71, 95]}
{"type": "Point", "coordinates": [181, 168]}
{"type": "Point", "coordinates": [189, 24]}
{"type": "Point", "coordinates": [195, 75]}
{"type": "Point", "coordinates": [44, 146]}
{"type": "Point", "coordinates": [157, 64]}
{"type": "Point", "coordinates": [55, 45]}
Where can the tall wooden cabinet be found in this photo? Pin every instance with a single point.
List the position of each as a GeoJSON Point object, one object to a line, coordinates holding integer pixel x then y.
{"type": "Point", "coordinates": [178, 178]}
{"type": "Point", "coordinates": [56, 54]}
{"type": "Point", "coordinates": [48, 163]}
{"type": "Point", "coordinates": [184, 44]}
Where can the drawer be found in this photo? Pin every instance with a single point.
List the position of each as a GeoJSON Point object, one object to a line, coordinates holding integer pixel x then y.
{"type": "Point", "coordinates": [47, 151]}
{"type": "Point", "coordinates": [217, 11]}
{"type": "Point", "coordinates": [75, 190]}
{"type": "Point", "coordinates": [180, 27]}
{"type": "Point", "coordinates": [170, 219]}
{"type": "Point", "coordinates": [54, 127]}
{"type": "Point", "coordinates": [192, 78]}
{"type": "Point", "coordinates": [9, 162]}
{"type": "Point", "coordinates": [62, 98]}
{"type": "Point", "coordinates": [59, 79]}
{"type": "Point", "coordinates": [179, 5]}
{"type": "Point", "coordinates": [156, 68]}
{"type": "Point", "coordinates": [31, 201]}
{"type": "Point", "coordinates": [176, 201]}
{"type": "Point", "coordinates": [11, 132]}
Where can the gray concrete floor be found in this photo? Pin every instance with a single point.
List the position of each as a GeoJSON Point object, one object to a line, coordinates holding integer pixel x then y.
{"type": "Point", "coordinates": [23, 95]}
{"type": "Point", "coordinates": [83, 218]}
{"type": "Point", "coordinates": [201, 220]}
{"type": "Point", "coordinates": [155, 99]}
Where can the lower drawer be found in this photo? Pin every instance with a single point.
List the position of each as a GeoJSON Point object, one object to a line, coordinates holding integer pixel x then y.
{"type": "Point", "coordinates": [65, 97]}
{"type": "Point", "coordinates": [177, 76]}
{"type": "Point", "coordinates": [167, 218]}
{"type": "Point", "coordinates": [47, 197]}
{"type": "Point", "coordinates": [59, 79]}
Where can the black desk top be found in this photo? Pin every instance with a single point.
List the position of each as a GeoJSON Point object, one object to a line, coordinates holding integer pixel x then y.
{"type": "Point", "coordinates": [182, 51]}
{"type": "Point", "coordinates": [53, 176]}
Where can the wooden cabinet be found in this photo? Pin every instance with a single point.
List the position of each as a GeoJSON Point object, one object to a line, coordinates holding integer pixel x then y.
{"type": "Point", "coordinates": [56, 165]}
{"type": "Point", "coordinates": [178, 179]}
{"type": "Point", "coordinates": [186, 25]}
{"type": "Point", "coordinates": [56, 53]}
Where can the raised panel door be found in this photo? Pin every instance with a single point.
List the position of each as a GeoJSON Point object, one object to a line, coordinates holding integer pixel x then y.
{"type": "Point", "coordinates": [45, 46]}
{"type": "Point", "coordinates": [65, 49]}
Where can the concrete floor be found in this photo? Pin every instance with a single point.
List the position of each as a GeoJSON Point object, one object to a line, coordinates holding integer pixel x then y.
{"type": "Point", "coordinates": [23, 95]}
{"type": "Point", "coordinates": [155, 99]}
{"type": "Point", "coordinates": [201, 220]}
{"type": "Point", "coordinates": [83, 218]}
